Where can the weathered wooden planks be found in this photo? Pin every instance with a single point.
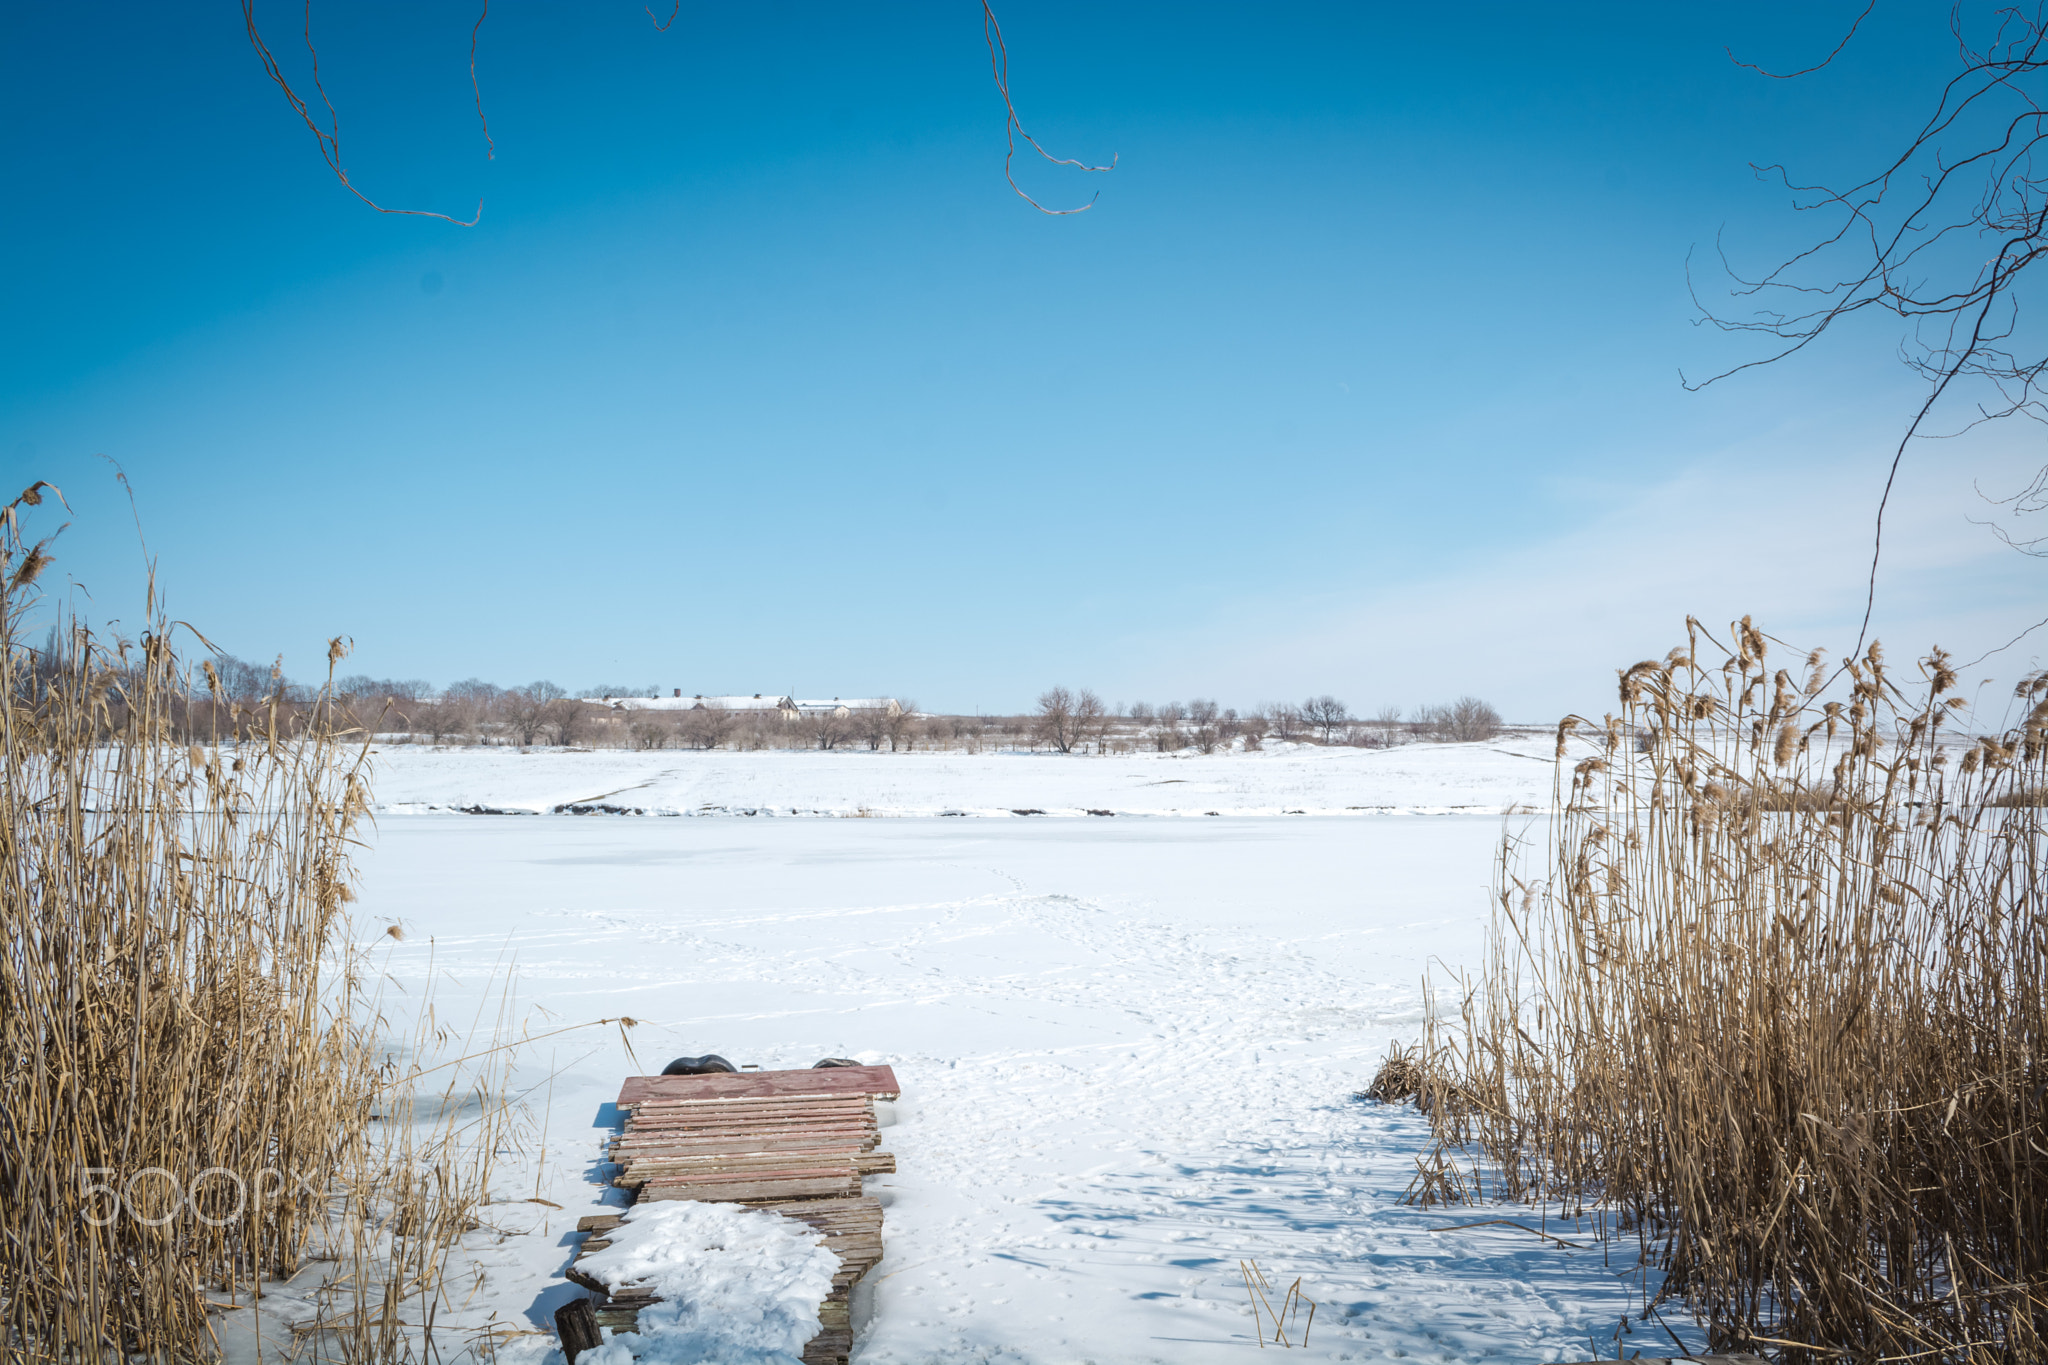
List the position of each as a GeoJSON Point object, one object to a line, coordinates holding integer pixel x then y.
{"type": "Point", "coordinates": [796, 1143]}
{"type": "Point", "coordinates": [866, 1082]}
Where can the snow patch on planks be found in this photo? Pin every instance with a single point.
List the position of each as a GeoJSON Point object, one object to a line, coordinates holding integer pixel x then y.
{"type": "Point", "coordinates": [795, 1143]}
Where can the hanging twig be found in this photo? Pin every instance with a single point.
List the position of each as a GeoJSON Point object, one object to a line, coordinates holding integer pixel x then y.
{"type": "Point", "coordinates": [1791, 75]}
{"type": "Point", "coordinates": [490, 147]}
{"type": "Point", "coordinates": [329, 137]}
{"type": "Point", "coordinates": [999, 64]}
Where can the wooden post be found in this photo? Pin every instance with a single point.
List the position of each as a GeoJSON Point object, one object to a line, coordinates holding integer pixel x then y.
{"type": "Point", "coordinates": [576, 1325]}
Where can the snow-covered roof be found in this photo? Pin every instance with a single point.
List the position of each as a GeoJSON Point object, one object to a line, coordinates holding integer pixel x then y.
{"type": "Point", "coordinates": [759, 702]}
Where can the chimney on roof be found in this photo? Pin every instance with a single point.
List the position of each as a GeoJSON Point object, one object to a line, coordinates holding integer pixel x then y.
{"type": "Point", "coordinates": [679, 691]}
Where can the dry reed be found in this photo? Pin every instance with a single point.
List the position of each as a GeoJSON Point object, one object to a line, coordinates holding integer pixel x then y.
{"type": "Point", "coordinates": [1274, 1324]}
{"type": "Point", "coordinates": [198, 1094]}
{"type": "Point", "coordinates": [1780, 1002]}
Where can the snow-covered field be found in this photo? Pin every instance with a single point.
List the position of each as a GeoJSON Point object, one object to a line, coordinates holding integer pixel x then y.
{"type": "Point", "coordinates": [1128, 1047]}
{"type": "Point", "coordinates": [1283, 779]}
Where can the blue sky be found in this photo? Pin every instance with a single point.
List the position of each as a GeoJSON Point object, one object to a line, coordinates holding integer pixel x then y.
{"type": "Point", "coordinates": [1361, 377]}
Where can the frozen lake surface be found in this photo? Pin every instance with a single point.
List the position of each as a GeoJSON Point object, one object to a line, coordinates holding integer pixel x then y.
{"type": "Point", "coordinates": [1282, 779]}
{"type": "Point", "coordinates": [1128, 1049]}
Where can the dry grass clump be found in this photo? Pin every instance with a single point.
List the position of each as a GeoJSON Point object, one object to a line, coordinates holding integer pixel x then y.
{"type": "Point", "coordinates": [1400, 1077]}
{"type": "Point", "coordinates": [1408, 1074]}
{"type": "Point", "coordinates": [1781, 1001]}
{"type": "Point", "coordinates": [195, 1097]}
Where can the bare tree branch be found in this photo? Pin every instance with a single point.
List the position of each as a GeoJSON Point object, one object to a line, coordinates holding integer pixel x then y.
{"type": "Point", "coordinates": [329, 138]}
{"type": "Point", "coordinates": [490, 147]}
{"type": "Point", "coordinates": [2004, 647]}
{"type": "Point", "coordinates": [999, 64]}
{"type": "Point", "coordinates": [1791, 75]}
{"type": "Point", "coordinates": [1911, 242]}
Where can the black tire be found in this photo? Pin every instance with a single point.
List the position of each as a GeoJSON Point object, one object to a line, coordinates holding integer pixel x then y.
{"type": "Point", "coordinates": [709, 1064]}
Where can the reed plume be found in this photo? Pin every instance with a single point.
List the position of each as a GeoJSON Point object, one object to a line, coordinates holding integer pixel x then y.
{"type": "Point", "coordinates": [1780, 1000]}
{"type": "Point", "coordinates": [198, 1093]}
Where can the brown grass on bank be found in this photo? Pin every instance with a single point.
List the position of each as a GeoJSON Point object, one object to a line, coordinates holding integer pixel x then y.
{"type": "Point", "coordinates": [1781, 1001]}
{"type": "Point", "coordinates": [196, 1096]}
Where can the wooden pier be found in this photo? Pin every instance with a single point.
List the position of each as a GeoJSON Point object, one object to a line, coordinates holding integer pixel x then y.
{"type": "Point", "coordinates": [796, 1143]}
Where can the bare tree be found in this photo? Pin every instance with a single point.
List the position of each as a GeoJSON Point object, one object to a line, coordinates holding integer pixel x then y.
{"type": "Point", "coordinates": [1202, 717]}
{"type": "Point", "coordinates": [871, 726]}
{"type": "Point", "coordinates": [1941, 237]}
{"type": "Point", "coordinates": [1254, 728]}
{"type": "Point", "coordinates": [1055, 724]}
{"type": "Point", "coordinates": [1286, 721]}
{"type": "Point", "coordinates": [1383, 731]}
{"type": "Point", "coordinates": [903, 725]}
{"type": "Point", "coordinates": [367, 697]}
{"type": "Point", "coordinates": [651, 730]}
{"type": "Point", "coordinates": [1467, 720]}
{"type": "Point", "coordinates": [530, 710]}
{"type": "Point", "coordinates": [706, 726]}
{"type": "Point", "coordinates": [1167, 736]}
{"type": "Point", "coordinates": [572, 719]}
{"type": "Point", "coordinates": [242, 681]}
{"type": "Point", "coordinates": [1091, 719]}
{"type": "Point", "coordinates": [1327, 714]}
{"type": "Point", "coordinates": [827, 729]}
{"type": "Point", "coordinates": [755, 730]}
{"type": "Point", "coordinates": [470, 703]}
{"type": "Point", "coordinates": [942, 731]}
{"type": "Point", "coordinates": [437, 719]}
{"type": "Point", "coordinates": [1067, 720]}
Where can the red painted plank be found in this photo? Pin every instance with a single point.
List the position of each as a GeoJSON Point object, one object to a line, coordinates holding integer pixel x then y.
{"type": "Point", "coordinates": [875, 1081]}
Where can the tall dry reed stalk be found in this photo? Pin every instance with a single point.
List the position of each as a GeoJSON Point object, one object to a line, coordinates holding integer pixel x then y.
{"type": "Point", "coordinates": [197, 1094]}
{"type": "Point", "coordinates": [1781, 1000]}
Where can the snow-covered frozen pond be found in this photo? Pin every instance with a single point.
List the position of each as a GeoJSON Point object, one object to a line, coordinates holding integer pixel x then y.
{"type": "Point", "coordinates": [1128, 1051]}
{"type": "Point", "coordinates": [1283, 779]}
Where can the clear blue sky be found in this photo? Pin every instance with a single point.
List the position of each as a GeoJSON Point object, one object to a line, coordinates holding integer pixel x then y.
{"type": "Point", "coordinates": [1362, 375]}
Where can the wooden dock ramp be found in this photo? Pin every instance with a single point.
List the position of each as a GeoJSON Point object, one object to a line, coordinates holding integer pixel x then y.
{"type": "Point", "coordinates": [795, 1143]}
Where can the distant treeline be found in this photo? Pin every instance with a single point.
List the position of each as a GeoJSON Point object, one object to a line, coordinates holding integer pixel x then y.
{"type": "Point", "coordinates": [232, 698]}
{"type": "Point", "coordinates": [1077, 720]}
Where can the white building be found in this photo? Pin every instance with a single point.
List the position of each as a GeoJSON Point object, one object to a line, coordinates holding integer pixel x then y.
{"type": "Point", "coordinates": [837, 707]}
{"type": "Point", "coordinates": [790, 708]}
